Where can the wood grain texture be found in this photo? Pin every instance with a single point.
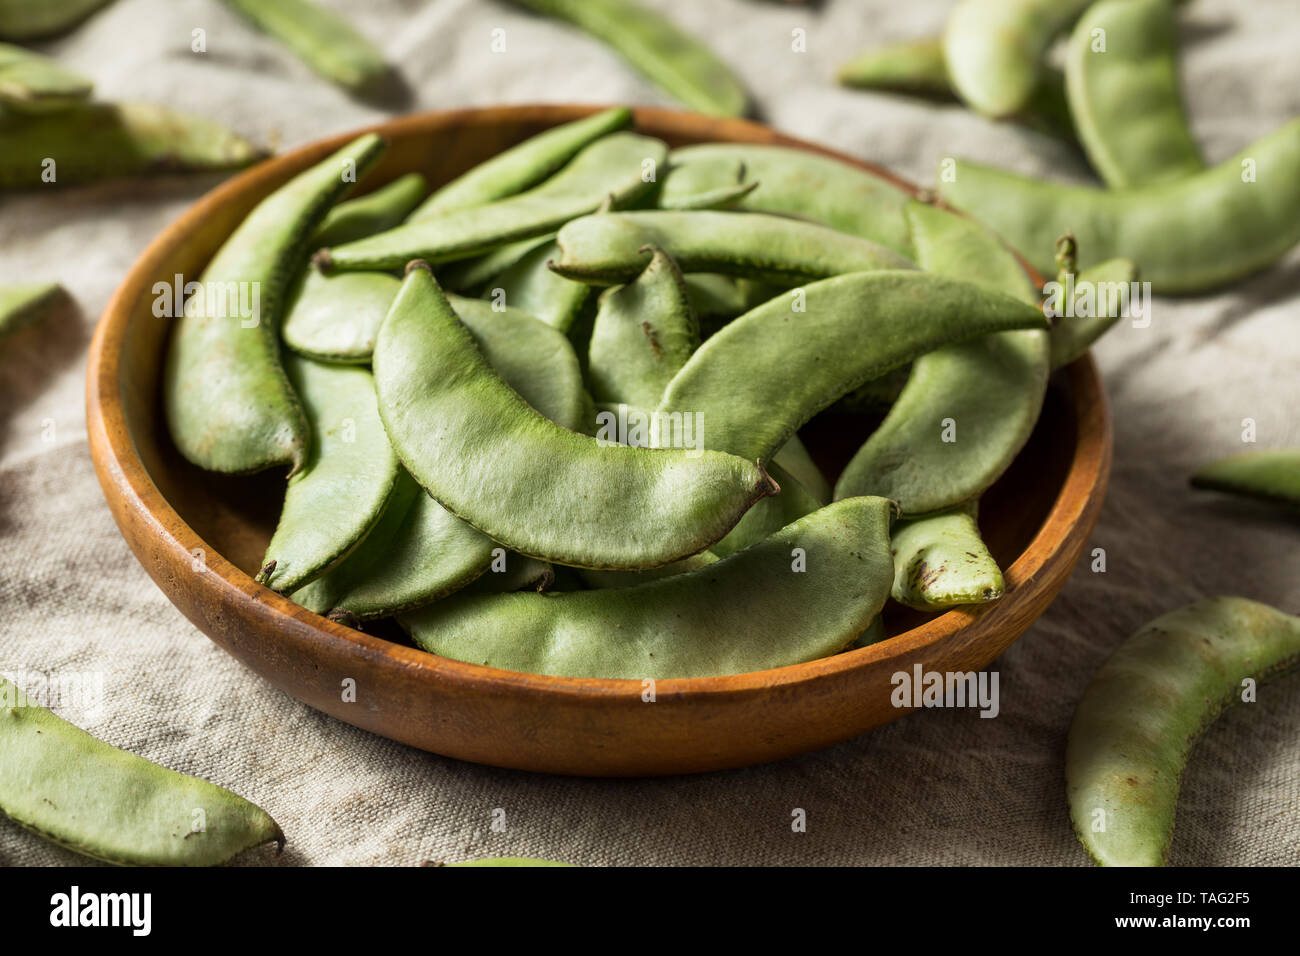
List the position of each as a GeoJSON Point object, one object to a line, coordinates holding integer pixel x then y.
{"type": "Point", "coordinates": [200, 536]}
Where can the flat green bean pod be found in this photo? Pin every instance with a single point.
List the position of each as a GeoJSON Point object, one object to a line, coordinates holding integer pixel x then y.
{"type": "Point", "coordinates": [1269, 475]}
{"type": "Point", "coordinates": [77, 791]}
{"type": "Point", "coordinates": [793, 182]}
{"type": "Point", "coordinates": [340, 493]}
{"type": "Point", "coordinates": [1123, 91]}
{"type": "Point", "coordinates": [941, 561]}
{"type": "Point", "coordinates": [612, 167]}
{"type": "Point", "coordinates": [614, 247]}
{"type": "Point", "coordinates": [966, 410]}
{"type": "Point", "coordinates": [94, 141]}
{"type": "Point", "coordinates": [526, 482]}
{"type": "Point", "coordinates": [761, 377]}
{"type": "Point", "coordinates": [531, 285]}
{"type": "Point", "coordinates": [31, 83]}
{"type": "Point", "coordinates": [21, 305]}
{"type": "Point", "coordinates": [1071, 336]}
{"type": "Point", "coordinates": [335, 318]}
{"type": "Point", "coordinates": [1144, 710]}
{"type": "Point", "coordinates": [522, 166]}
{"type": "Point", "coordinates": [643, 334]}
{"type": "Point", "coordinates": [374, 212]}
{"type": "Point", "coordinates": [771, 514]}
{"type": "Point", "coordinates": [994, 49]}
{"type": "Point", "coordinates": [419, 551]}
{"type": "Point", "coordinates": [34, 19]}
{"type": "Point", "coordinates": [803, 593]}
{"type": "Point", "coordinates": [228, 403]}
{"type": "Point", "coordinates": [656, 47]}
{"type": "Point", "coordinates": [321, 39]}
{"type": "Point", "coordinates": [1189, 235]}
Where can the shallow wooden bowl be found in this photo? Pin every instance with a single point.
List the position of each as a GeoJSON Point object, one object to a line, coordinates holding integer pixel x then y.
{"type": "Point", "coordinates": [201, 536]}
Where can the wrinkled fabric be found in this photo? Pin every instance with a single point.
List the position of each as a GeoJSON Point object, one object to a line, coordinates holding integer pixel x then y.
{"type": "Point", "coordinates": [937, 787]}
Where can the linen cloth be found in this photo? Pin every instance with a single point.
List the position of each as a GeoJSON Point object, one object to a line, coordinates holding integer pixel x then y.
{"type": "Point", "coordinates": [937, 787]}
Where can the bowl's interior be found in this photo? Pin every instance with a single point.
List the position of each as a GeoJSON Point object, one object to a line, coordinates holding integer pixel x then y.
{"type": "Point", "coordinates": [236, 515]}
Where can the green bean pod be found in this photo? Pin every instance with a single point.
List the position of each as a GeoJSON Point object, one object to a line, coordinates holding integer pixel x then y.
{"type": "Point", "coordinates": [524, 165]}
{"type": "Point", "coordinates": [341, 491]}
{"type": "Point", "coordinates": [1271, 475]}
{"type": "Point", "coordinates": [471, 275]}
{"type": "Point", "coordinates": [656, 47]}
{"type": "Point", "coordinates": [913, 66]}
{"type": "Point", "coordinates": [613, 167]}
{"type": "Point", "coordinates": [34, 19]}
{"type": "Point", "coordinates": [941, 561]}
{"type": "Point", "coordinates": [994, 49]}
{"type": "Point", "coordinates": [376, 211]}
{"type": "Point", "coordinates": [1123, 92]}
{"type": "Point", "coordinates": [335, 318]}
{"type": "Point", "coordinates": [794, 182]}
{"type": "Point", "coordinates": [77, 791]}
{"type": "Point", "coordinates": [526, 482]}
{"type": "Point", "coordinates": [420, 552]}
{"type": "Point", "coordinates": [531, 285]}
{"type": "Point", "coordinates": [94, 141]}
{"type": "Point", "coordinates": [761, 377]}
{"type": "Point", "coordinates": [803, 593]}
{"type": "Point", "coordinates": [643, 334]}
{"type": "Point", "coordinates": [31, 83]}
{"type": "Point", "coordinates": [1189, 235]}
{"type": "Point", "coordinates": [324, 41]}
{"type": "Point", "coordinates": [228, 403]}
{"type": "Point", "coordinates": [967, 409]}
{"type": "Point", "coordinates": [613, 248]}
{"type": "Point", "coordinates": [1144, 710]}
{"type": "Point", "coordinates": [22, 305]}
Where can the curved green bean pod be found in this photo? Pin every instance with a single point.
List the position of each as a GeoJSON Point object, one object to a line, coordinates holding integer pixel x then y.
{"type": "Point", "coordinates": [1269, 475]}
{"type": "Point", "coordinates": [522, 166]}
{"type": "Point", "coordinates": [21, 305]}
{"type": "Point", "coordinates": [752, 611]}
{"type": "Point", "coordinates": [656, 47]}
{"type": "Point", "coordinates": [990, 388]}
{"type": "Point", "coordinates": [419, 551]}
{"type": "Point", "coordinates": [340, 493]}
{"type": "Point", "coordinates": [913, 66]}
{"type": "Point", "coordinates": [77, 791]}
{"type": "Point", "coordinates": [1145, 709]}
{"type": "Point", "coordinates": [644, 333]}
{"type": "Point", "coordinates": [793, 182]}
{"type": "Point", "coordinates": [764, 375]}
{"type": "Point", "coordinates": [526, 482]}
{"type": "Point", "coordinates": [610, 168]}
{"type": "Point", "coordinates": [31, 83]}
{"type": "Point", "coordinates": [941, 561]}
{"type": "Point", "coordinates": [1125, 99]}
{"type": "Point", "coordinates": [1189, 235]}
{"type": "Point", "coordinates": [228, 403]}
{"type": "Point", "coordinates": [335, 318]}
{"type": "Point", "coordinates": [994, 49]}
{"type": "Point", "coordinates": [324, 41]}
{"type": "Point", "coordinates": [94, 141]}
{"type": "Point", "coordinates": [34, 19]}
{"type": "Point", "coordinates": [374, 212]}
{"type": "Point", "coordinates": [614, 247]}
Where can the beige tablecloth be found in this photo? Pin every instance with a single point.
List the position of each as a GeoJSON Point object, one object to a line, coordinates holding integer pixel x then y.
{"type": "Point", "coordinates": [936, 787]}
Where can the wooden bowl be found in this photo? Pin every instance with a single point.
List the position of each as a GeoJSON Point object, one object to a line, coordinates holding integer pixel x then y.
{"type": "Point", "coordinates": [201, 536]}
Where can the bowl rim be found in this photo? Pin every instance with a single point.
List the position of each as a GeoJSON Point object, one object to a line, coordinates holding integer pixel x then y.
{"type": "Point", "coordinates": [123, 475]}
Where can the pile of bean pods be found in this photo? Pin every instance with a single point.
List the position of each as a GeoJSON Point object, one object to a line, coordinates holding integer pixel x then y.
{"type": "Point", "coordinates": [547, 417]}
{"type": "Point", "coordinates": [1192, 227]}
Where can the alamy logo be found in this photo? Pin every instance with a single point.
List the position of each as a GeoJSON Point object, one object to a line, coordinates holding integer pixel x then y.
{"type": "Point", "coordinates": [1083, 300]}
{"type": "Point", "coordinates": [75, 908]}
{"type": "Point", "coordinates": [923, 688]}
{"type": "Point", "coordinates": [218, 300]}
{"type": "Point", "coordinates": [632, 426]}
